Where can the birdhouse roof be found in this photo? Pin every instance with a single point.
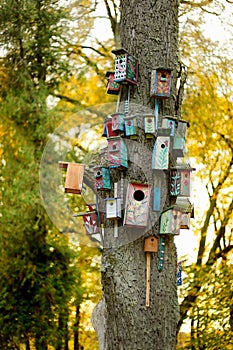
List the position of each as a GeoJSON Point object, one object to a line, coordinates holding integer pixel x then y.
{"type": "Point", "coordinates": [119, 51]}
{"type": "Point", "coordinates": [108, 73]}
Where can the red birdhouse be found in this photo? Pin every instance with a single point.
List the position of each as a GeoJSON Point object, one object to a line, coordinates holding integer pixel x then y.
{"type": "Point", "coordinates": [161, 82]}
{"type": "Point", "coordinates": [113, 87]}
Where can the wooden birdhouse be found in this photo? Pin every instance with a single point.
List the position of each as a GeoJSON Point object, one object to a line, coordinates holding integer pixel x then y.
{"type": "Point", "coordinates": [117, 153]}
{"type": "Point", "coordinates": [113, 87]}
{"type": "Point", "coordinates": [107, 131]}
{"type": "Point", "coordinates": [74, 177]}
{"type": "Point", "coordinates": [131, 129]}
{"type": "Point", "coordinates": [184, 204]}
{"type": "Point", "coordinates": [102, 178]}
{"type": "Point", "coordinates": [182, 128]}
{"type": "Point", "coordinates": [170, 221]}
{"type": "Point", "coordinates": [161, 82]}
{"type": "Point", "coordinates": [160, 157]}
{"type": "Point", "coordinates": [126, 67]}
{"type": "Point", "coordinates": [149, 126]}
{"type": "Point", "coordinates": [137, 205]}
{"type": "Point", "coordinates": [151, 244]}
{"type": "Point", "coordinates": [118, 122]}
{"type": "Point", "coordinates": [180, 180]}
{"type": "Point", "coordinates": [113, 208]}
{"type": "Point", "coordinates": [169, 122]}
{"type": "Point", "coordinates": [178, 149]}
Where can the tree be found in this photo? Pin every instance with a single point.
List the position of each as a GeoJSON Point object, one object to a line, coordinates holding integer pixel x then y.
{"type": "Point", "coordinates": [149, 31]}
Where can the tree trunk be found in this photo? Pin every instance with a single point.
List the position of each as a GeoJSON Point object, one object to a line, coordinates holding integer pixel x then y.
{"type": "Point", "coordinates": [76, 328]}
{"type": "Point", "coordinates": [149, 31]}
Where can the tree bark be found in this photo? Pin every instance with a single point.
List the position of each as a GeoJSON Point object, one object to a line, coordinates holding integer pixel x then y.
{"type": "Point", "coordinates": [149, 31]}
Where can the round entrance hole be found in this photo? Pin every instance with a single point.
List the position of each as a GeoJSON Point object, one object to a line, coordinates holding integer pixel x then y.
{"type": "Point", "coordinates": [139, 195]}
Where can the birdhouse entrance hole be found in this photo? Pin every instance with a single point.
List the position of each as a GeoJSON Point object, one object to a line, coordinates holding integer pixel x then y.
{"type": "Point", "coordinates": [139, 195]}
{"type": "Point", "coordinates": [163, 77]}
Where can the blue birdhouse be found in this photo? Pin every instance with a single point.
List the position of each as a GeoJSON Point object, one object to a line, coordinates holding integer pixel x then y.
{"type": "Point", "coordinates": [169, 122]}
{"type": "Point", "coordinates": [131, 129]}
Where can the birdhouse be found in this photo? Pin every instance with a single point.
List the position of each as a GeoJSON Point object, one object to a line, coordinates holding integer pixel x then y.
{"type": "Point", "coordinates": [126, 67]}
{"type": "Point", "coordinates": [149, 126]}
{"type": "Point", "coordinates": [180, 180]}
{"type": "Point", "coordinates": [156, 198]}
{"type": "Point", "coordinates": [170, 221]}
{"type": "Point", "coordinates": [137, 205]}
{"type": "Point", "coordinates": [169, 122]}
{"type": "Point", "coordinates": [161, 82]}
{"type": "Point", "coordinates": [107, 131]}
{"type": "Point", "coordinates": [74, 177]}
{"type": "Point", "coordinates": [113, 87]}
{"type": "Point", "coordinates": [178, 149]}
{"type": "Point", "coordinates": [131, 129]}
{"type": "Point", "coordinates": [160, 157]}
{"type": "Point", "coordinates": [102, 178]}
{"type": "Point", "coordinates": [113, 208]}
{"type": "Point", "coordinates": [151, 244]}
{"type": "Point", "coordinates": [186, 207]}
{"type": "Point", "coordinates": [117, 153]}
{"type": "Point", "coordinates": [91, 221]}
{"type": "Point", "coordinates": [118, 122]}
{"type": "Point", "coordinates": [182, 127]}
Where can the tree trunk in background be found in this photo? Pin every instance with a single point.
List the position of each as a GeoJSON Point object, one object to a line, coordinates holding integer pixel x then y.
{"type": "Point", "coordinates": [76, 328]}
{"type": "Point", "coordinates": [149, 31]}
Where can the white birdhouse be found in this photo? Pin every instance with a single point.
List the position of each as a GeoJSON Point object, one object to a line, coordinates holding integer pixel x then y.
{"type": "Point", "coordinates": [113, 208]}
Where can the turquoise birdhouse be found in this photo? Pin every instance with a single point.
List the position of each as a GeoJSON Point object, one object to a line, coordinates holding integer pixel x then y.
{"type": "Point", "coordinates": [102, 178]}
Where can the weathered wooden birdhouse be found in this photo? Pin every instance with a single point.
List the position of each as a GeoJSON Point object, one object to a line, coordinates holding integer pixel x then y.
{"type": "Point", "coordinates": [102, 178]}
{"type": "Point", "coordinates": [160, 157]}
{"type": "Point", "coordinates": [169, 122]}
{"type": "Point", "coordinates": [184, 204]}
{"type": "Point", "coordinates": [180, 180]}
{"type": "Point", "coordinates": [151, 244]}
{"type": "Point", "coordinates": [113, 208]}
{"type": "Point", "coordinates": [74, 177]}
{"type": "Point", "coordinates": [149, 126]}
{"type": "Point", "coordinates": [118, 122]}
{"type": "Point", "coordinates": [113, 87]}
{"type": "Point", "coordinates": [170, 221]}
{"type": "Point", "coordinates": [178, 148]}
{"type": "Point", "coordinates": [126, 67]}
{"type": "Point", "coordinates": [131, 128]}
{"type": "Point", "coordinates": [161, 79]}
{"type": "Point", "coordinates": [182, 128]}
{"type": "Point", "coordinates": [107, 131]}
{"type": "Point", "coordinates": [137, 205]}
{"type": "Point", "coordinates": [117, 153]}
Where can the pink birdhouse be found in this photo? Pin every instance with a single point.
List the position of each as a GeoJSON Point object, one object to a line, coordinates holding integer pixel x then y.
{"type": "Point", "coordinates": [137, 205]}
{"type": "Point", "coordinates": [117, 153]}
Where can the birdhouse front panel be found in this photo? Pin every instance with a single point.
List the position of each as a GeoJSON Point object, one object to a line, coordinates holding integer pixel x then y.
{"type": "Point", "coordinates": [169, 122]}
{"type": "Point", "coordinates": [149, 125]}
{"type": "Point", "coordinates": [117, 153]}
{"type": "Point", "coordinates": [118, 122]}
{"type": "Point", "coordinates": [108, 131]}
{"type": "Point", "coordinates": [131, 128]}
{"type": "Point", "coordinates": [185, 221]}
{"type": "Point", "coordinates": [91, 223]}
{"type": "Point", "coordinates": [126, 67]}
{"type": "Point", "coordinates": [175, 182]}
{"type": "Point", "coordinates": [185, 187]}
{"type": "Point", "coordinates": [74, 178]}
{"type": "Point", "coordinates": [170, 221]}
{"type": "Point", "coordinates": [113, 208]}
{"type": "Point", "coordinates": [137, 205]}
{"type": "Point", "coordinates": [113, 87]}
{"type": "Point", "coordinates": [161, 83]}
{"type": "Point", "coordinates": [178, 148]}
{"type": "Point", "coordinates": [102, 178]}
{"type": "Point", "coordinates": [160, 157]}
